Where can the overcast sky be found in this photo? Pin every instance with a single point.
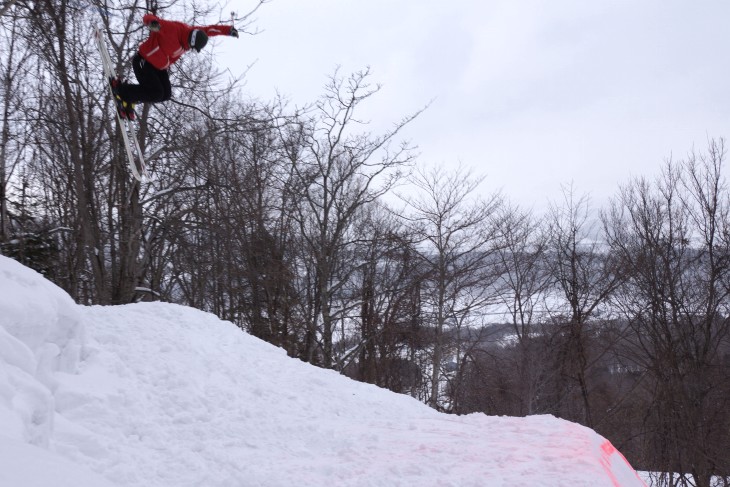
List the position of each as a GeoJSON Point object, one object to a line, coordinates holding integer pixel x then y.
{"type": "Point", "coordinates": [534, 94]}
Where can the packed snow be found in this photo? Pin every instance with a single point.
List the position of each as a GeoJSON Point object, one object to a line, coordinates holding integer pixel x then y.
{"type": "Point", "coordinates": [155, 394]}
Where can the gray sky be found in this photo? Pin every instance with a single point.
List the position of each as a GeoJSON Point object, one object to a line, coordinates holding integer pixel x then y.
{"type": "Point", "coordinates": [534, 94]}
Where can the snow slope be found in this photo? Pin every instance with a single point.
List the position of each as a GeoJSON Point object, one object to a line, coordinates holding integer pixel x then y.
{"type": "Point", "coordinates": [163, 395]}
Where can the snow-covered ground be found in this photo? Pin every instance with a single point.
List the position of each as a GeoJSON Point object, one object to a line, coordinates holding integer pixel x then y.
{"type": "Point", "coordinates": [163, 395]}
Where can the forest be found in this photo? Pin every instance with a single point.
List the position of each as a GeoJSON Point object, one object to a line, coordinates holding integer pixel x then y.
{"type": "Point", "coordinates": [351, 252]}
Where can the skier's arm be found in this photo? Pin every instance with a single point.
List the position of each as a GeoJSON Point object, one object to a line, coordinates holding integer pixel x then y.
{"type": "Point", "coordinates": [219, 30]}
{"type": "Point", "coordinates": [154, 22]}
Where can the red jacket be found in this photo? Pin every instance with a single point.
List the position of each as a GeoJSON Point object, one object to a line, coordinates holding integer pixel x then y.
{"type": "Point", "coordinates": [164, 47]}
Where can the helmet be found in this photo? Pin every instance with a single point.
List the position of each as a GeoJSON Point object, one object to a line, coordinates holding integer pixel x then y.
{"type": "Point", "coordinates": [197, 40]}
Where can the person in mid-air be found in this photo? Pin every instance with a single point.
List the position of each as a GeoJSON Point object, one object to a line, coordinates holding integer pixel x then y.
{"type": "Point", "coordinates": [167, 42]}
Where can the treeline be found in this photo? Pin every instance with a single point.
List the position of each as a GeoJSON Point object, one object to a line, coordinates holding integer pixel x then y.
{"type": "Point", "coordinates": [335, 243]}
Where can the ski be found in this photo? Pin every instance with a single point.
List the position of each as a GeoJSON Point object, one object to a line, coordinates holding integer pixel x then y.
{"type": "Point", "coordinates": [135, 158]}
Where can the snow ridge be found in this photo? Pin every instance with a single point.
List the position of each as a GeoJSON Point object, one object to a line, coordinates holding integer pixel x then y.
{"type": "Point", "coordinates": [156, 394]}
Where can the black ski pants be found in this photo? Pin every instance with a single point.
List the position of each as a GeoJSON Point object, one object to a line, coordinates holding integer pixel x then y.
{"type": "Point", "coordinates": [154, 84]}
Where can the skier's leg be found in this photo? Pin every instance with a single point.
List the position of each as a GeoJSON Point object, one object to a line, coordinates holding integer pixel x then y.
{"type": "Point", "coordinates": [166, 87]}
{"type": "Point", "coordinates": [150, 88]}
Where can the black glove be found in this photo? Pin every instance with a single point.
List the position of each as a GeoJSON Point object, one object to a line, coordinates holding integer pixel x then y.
{"type": "Point", "coordinates": [234, 32]}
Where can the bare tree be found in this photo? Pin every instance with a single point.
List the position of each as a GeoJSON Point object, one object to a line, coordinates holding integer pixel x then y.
{"type": "Point", "coordinates": [384, 342]}
{"type": "Point", "coordinates": [585, 279]}
{"type": "Point", "coordinates": [338, 173]}
{"type": "Point", "coordinates": [456, 244]}
{"type": "Point", "coordinates": [525, 282]}
{"type": "Point", "coordinates": [65, 116]}
{"type": "Point", "coordinates": [673, 237]}
{"type": "Point", "coordinates": [14, 62]}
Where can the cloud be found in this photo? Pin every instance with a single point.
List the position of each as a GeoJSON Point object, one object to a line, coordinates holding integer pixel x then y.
{"type": "Point", "coordinates": [535, 93]}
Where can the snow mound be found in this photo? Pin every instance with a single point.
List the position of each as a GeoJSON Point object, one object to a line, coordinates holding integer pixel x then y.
{"type": "Point", "coordinates": [157, 394]}
{"type": "Point", "coordinates": [41, 333]}
{"type": "Point", "coordinates": [25, 465]}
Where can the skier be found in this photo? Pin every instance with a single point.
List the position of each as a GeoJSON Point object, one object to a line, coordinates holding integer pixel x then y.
{"type": "Point", "coordinates": [167, 42]}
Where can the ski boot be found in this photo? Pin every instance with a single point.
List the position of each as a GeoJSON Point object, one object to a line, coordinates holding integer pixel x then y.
{"type": "Point", "coordinates": [124, 108]}
{"type": "Point", "coordinates": [129, 110]}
